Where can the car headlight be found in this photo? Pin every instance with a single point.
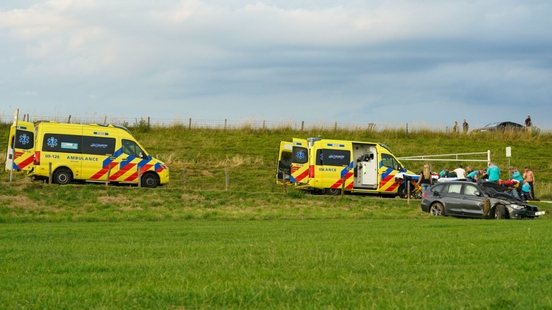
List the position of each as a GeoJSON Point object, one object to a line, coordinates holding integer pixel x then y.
{"type": "Point", "coordinates": [517, 207]}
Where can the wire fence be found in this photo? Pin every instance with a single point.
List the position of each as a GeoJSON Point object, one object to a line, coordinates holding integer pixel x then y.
{"type": "Point", "coordinates": [220, 124]}
{"type": "Point", "coordinates": [230, 124]}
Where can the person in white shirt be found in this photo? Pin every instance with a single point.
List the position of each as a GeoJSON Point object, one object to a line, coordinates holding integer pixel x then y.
{"type": "Point", "coordinates": [460, 173]}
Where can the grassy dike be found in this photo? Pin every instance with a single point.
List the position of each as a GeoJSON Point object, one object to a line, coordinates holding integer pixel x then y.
{"type": "Point", "coordinates": [254, 246]}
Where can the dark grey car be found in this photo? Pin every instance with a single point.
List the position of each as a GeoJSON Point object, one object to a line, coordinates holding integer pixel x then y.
{"type": "Point", "coordinates": [500, 126]}
{"type": "Point", "coordinates": [477, 200]}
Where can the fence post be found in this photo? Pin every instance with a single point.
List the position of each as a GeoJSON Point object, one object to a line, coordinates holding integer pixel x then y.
{"type": "Point", "coordinates": [149, 124]}
{"type": "Point", "coordinates": [302, 125]}
{"type": "Point", "coordinates": [69, 119]}
{"type": "Point", "coordinates": [225, 123]}
{"type": "Point", "coordinates": [226, 178]}
{"type": "Point", "coordinates": [407, 128]}
{"type": "Point", "coordinates": [343, 179]}
{"type": "Point", "coordinates": [108, 175]}
{"type": "Point", "coordinates": [50, 173]}
{"type": "Point", "coordinates": [335, 127]}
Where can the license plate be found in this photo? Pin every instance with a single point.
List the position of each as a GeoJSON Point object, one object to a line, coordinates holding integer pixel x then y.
{"type": "Point", "coordinates": [540, 213]}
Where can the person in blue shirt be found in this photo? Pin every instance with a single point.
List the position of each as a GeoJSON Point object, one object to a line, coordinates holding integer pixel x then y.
{"type": "Point", "coordinates": [516, 175]}
{"type": "Point", "coordinates": [494, 173]}
{"type": "Point", "coordinates": [526, 190]}
{"type": "Point", "coordinates": [475, 175]}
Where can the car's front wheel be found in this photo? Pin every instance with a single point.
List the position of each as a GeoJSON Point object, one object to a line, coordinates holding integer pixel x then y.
{"type": "Point", "coordinates": [437, 209]}
{"type": "Point", "coordinates": [499, 212]}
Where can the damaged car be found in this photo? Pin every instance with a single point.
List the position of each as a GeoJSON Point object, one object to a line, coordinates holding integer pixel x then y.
{"type": "Point", "coordinates": [477, 200]}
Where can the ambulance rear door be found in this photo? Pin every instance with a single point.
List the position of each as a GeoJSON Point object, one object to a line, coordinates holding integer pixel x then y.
{"type": "Point", "coordinates": [284, 162]}
{"type": "Point", "coordinates": [20, 153]}
{"type": "Point", "coordinates": [300, 162]}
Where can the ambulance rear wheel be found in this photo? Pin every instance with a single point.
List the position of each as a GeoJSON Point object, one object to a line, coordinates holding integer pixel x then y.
{"type": "Point", "coordinates": [150, 180]}
{"type": "Point", "coordinates": [402, 191]}
{"type": "Point", "coordinates": [63, 176]}
{"type": "Point", "coordinates": [333, 191]}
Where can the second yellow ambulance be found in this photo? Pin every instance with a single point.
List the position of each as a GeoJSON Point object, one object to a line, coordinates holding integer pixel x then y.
{"type": "Point", "coordinates": [330, 166]}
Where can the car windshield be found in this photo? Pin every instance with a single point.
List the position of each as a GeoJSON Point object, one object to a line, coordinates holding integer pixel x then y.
{"type": "Point", "coordinates": [495, 190]}
{"type": "Point", "coordinates": [492, 124]}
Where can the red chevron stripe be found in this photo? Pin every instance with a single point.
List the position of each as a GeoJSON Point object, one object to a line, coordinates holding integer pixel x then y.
{"type": "Point", "coordinates": [337, 184]}
{"type": "Point", "coordinates": [103, 171]}
{"type": "Point", "coordinates": [303, 175]}
{"type": "Point", "coordinates": [26, 162]}
{"type": "Point", "coordinates": [134, 176]}
{"type": "Point", "coordinates": [122, 171]}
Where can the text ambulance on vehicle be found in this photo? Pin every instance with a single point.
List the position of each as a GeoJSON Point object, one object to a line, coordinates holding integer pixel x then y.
{"type": "Point", "coordinates": [92, 153]}
{"type": "Point", "coordinates": [322, 165]}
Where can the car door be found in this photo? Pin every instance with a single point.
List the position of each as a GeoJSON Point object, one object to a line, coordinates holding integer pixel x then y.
{"type": "Point", "coordinates": [472, 201]}
{"type": "Point", "coordinates": [453, 200]}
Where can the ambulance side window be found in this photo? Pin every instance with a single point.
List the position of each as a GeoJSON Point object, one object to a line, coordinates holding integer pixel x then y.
{"type": "Point", "coordinates": [330, 157]}
{"type": "Point", "coordinates": [54, 142]}
{"type": "Point", "coordinates": [98, 146]}
{"type": "Point", "coordinates": [390, 162]}
{"type": "Point", "coordinates": [131, 148]}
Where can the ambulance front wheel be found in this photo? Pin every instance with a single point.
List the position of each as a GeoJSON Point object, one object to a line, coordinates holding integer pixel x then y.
{"type": "Point", "coordinates": [150, 180]}
{"type": "Point", "coordinates": [63, 176]}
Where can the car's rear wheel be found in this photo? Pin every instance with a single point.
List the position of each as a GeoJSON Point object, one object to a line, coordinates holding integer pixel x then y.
{"type": "Point", "coordinates": [437, 209]}
{"type": "Point", "coordinates": [499, 212]}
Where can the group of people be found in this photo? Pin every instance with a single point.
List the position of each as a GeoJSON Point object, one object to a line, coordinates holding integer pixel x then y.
{"type": "Point", "coordinates": [492, 174]}
{"type": "Point", "coordinates": [465, 127]}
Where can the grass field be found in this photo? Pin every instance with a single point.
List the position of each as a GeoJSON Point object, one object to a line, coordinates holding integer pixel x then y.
{"type": "Point", "coordinates": [385, 263]}
{"type": "Point", "coordinates": [197, 245]}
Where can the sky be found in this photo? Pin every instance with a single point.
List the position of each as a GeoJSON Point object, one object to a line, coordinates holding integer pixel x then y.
{"type": "Point", "coordinates": [421, 62]}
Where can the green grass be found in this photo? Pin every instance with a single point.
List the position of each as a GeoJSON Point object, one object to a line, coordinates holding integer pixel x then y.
{"type": "Point", "coordinates": [385, 263]}
{"type": "Point", "coordinates": [197, 245]}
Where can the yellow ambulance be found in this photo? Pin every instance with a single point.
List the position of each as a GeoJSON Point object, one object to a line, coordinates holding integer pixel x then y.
{"type": "Point", "coordinates": [93, 153]}
{"type": "Point", "coordinates": [332, 166]}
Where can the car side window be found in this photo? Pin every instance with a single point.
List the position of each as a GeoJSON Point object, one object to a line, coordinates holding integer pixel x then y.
{"type": "Point", "coordinates": [470, 190]}
{"type": "Point", "coordinates": [455, 188]}
{"type": "Point", "coordinates": [439, 188]}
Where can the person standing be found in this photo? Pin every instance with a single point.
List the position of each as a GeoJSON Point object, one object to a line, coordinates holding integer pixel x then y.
{"type": "Point", "coordinates": [529, 176]}
{"type": "Point", "coordinates": [493, 173]}
{"type": "Point", "coordinates": [455, 127]}
{"type": "Point", "coordinates": [460, 173]}
{"type": "Point", "coordinates": [528, 122]}
{"type": "Point", "coordinates": [465, 126]}
{"type": "Point", "coordinates": [425, 180]}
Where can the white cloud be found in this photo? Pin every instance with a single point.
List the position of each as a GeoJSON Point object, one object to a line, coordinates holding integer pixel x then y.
{"type": "Point", "coordinates": [331, 59]}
